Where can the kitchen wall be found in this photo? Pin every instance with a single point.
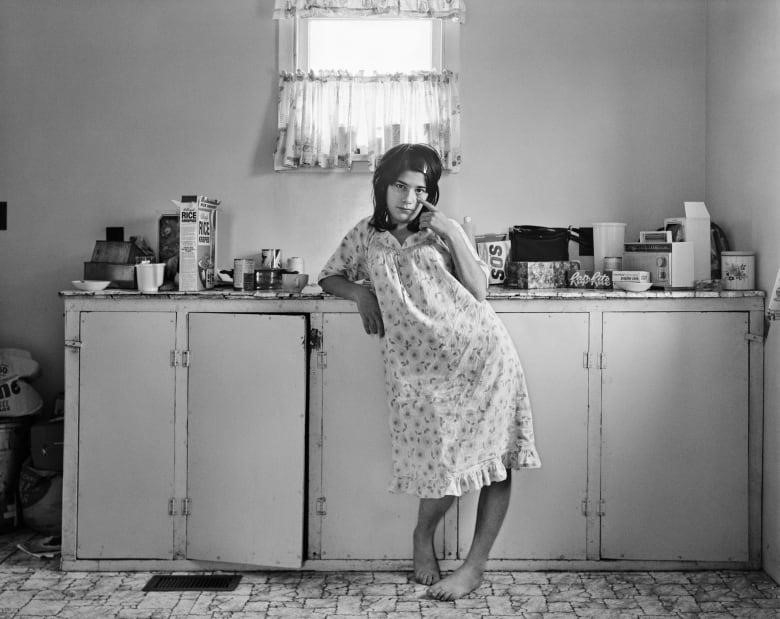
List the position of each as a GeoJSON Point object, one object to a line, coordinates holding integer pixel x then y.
{"type": "Point", "coordinates": [574, 111]}
{"type": "Point", "coordinates": [743, 185]}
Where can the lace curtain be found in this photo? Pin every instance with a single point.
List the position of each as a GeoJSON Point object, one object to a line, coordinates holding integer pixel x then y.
{"type": "Point", "coordinates": [444, 9]}
{"type": "Point", "coordinates": [330, 120]}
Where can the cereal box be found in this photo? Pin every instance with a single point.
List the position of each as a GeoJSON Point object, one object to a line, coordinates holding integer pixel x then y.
{"type": "Point", "coordinates": [197, 242]}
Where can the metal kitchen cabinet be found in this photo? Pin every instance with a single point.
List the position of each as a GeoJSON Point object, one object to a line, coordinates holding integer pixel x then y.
{"type": "Point", "coordinates": [246, 406]}
{"type": "Point", "coordinates": [675, 394]}
{"type": "Point", "coordinates": [125, 435]}
{"type": "Point", "coordinates": [358, 518]}
{"type": "Point", "coordinates": [547, 516]}
{"type": "Point", "coordinates": [215, 431]}
{"type": "Point", "coordinates": [185, 439]}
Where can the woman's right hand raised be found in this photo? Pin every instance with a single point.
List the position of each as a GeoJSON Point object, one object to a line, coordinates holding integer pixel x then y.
{"type": "Point", "coordinates": [368, 306]}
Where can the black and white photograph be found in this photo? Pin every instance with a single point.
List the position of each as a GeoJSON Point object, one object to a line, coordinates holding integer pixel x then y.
{"type": "Point", "coordinates": [389, 309]}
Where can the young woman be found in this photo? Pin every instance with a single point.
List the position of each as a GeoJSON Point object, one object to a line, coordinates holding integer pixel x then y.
{"type": "Point", "coordinates": [460, 417]}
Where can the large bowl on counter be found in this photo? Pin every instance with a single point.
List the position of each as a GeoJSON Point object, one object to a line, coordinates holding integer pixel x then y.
{"type": "Point", "coordinates": [90, 285]}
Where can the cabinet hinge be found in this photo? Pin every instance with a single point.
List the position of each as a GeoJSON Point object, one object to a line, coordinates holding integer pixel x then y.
{"type": "Point", "coordinates": [315, 339]}
{"type": "Point", "coordinates": [321, 511]}
{"type": "Point", "coordinates": [180, 358]}
{"type": "Point", "coordinates": [172, 507]}
{"type": "Point", "coordinates": [322, 359]}
{"type": "Point", "coordinates": [587, 360]}
{"type": "Point", "coordinates": [186, 504]}
{"type": "Point", "coordinates": [72, 344]}
{"type": "Point", "coordinates": [752, 337]}
{"type": "Point", "coordinates": [602, 361]}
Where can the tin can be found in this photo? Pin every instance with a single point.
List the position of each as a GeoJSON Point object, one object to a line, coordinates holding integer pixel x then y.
{"type": "Point", "coordinates": [243, 274]}
{"type": "Point", "coordinates": [613, 263]}
{"type": "Point", "coordinates": [294, 265]}
{"type": "Point", "coordinates": [271, 258]}
{"type": "Point", "coordinates": [738, 270]}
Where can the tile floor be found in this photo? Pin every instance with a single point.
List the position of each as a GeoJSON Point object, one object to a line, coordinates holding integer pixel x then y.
{"type": "Point", "coordinates": [31, 587]}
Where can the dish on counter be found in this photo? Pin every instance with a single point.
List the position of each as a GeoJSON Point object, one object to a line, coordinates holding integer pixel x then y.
{"type": "Point", "coordinates": [632, 286]}
{"type": "Point", "coordinates": [90, 285]}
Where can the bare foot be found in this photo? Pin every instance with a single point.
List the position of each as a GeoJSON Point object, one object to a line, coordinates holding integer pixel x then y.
{"type": "Point", "coordinates": [458, 584]}
{"type": "Point", "coordinates": [426, 567]}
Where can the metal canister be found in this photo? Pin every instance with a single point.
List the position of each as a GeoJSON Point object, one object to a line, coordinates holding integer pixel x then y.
{"type": "Point", "coordinates": [294, 265]}
{"type": "Point", "coordinates": [613, 263]}
{"type": "Point", "coordinates": [738, 270]}
{"type": "Point", "coordinates": [243, 274]}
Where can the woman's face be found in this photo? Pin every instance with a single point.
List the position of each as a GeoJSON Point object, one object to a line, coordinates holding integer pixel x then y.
{"type": "Point", "coordinates": [403, 195]}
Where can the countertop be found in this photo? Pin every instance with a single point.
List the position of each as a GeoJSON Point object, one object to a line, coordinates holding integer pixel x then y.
{"type": "Point", "coordinates": [494, 293]}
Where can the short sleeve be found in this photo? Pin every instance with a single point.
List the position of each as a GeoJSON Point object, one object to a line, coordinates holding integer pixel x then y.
{"type": "Point", "coordinates": [350, 257]}
{"type": "Point", "coordinates": [482, 264]}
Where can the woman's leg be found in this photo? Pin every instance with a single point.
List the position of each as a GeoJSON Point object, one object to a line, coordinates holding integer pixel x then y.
{"type": "Point", "coordinates": [431, 511]}
{"type": "Point", "coordinates": [493, 503]}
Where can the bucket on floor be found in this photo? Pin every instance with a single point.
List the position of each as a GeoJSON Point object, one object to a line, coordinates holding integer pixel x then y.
{"type": "Point", "coordinates": [14, 445]}
{"type": "Point", "coordinates": [40, 497]}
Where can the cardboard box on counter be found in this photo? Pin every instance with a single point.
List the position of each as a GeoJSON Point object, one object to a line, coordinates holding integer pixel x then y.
{"type": "Point", "coordinates": [534, 275]}
{"type": "Point", "coordinates": [494, 250]}
{"type": "Point", "coordinates": [695, 229]}
{"type": "Point", "coordinates": [197, 242]}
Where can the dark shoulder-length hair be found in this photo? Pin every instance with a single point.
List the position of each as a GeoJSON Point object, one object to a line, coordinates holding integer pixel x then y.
{"type": "Point", "coordinates": [399, 159]}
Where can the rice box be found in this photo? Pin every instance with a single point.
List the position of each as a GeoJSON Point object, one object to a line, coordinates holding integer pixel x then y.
{"type": "Point", "coordinates": [197, 243]}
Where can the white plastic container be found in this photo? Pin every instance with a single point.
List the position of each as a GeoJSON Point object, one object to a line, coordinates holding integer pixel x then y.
{"type": "Point", "coordinates": [738, 270]}
{"type": "Point", "coordinates": [608, 240]}
{"type": "Point", "coordinates": [149, 275]}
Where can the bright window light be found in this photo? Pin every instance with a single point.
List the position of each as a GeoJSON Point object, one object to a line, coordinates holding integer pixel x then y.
{"type": "Point", "coordinates": [371, 45]}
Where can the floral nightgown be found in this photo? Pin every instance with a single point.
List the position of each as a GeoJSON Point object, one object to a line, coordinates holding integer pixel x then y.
{"type": "Point", "coordinates": [459, 408]}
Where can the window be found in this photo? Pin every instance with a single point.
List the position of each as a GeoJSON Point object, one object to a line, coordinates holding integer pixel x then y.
{"type": "Point", "coordinates": [352, 87]}
{"type": "Point", "coordinates": [369, 44]}
{"type": "Point", "coordinates": [362, 44]}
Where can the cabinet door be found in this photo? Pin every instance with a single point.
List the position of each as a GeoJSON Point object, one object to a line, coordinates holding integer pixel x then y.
{"type": "Point", "coordinates": [125, 443]}
{"type": "Point", "coordinates": [675, 436]}
{"type": "Point", "coordinates": [245, 438]}
{"type": "Point", "coordinates": [363, 520]}
{"type": "Point", "coordinates": [545, 519]}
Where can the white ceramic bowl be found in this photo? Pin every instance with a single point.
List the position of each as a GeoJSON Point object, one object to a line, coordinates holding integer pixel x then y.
{"type": "Point", "coordinates": [632, 286]}
{"type": "Point", "coordinates": [90, 285]}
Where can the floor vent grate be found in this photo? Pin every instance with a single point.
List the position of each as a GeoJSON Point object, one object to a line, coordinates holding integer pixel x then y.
{"type": "Point", "coordinates": [193, 582]}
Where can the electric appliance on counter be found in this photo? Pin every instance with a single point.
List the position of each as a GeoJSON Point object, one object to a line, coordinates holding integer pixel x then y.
{"type": "Point", "coordinates": [670, 264]}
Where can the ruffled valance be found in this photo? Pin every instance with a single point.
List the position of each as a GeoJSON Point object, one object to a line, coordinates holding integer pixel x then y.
{"type": "Point", "coordinates": [329, 120]}
{"type": "Point", "coordinates": [444, 9]}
